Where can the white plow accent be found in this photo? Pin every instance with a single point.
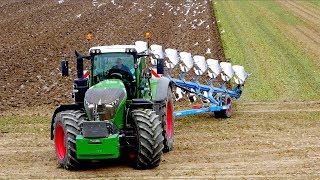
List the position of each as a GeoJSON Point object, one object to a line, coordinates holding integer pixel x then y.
{"type": "Point", "coordinates": [214, 68]}
{"type": "Point", "coordinates": [200, 62]}
{"type": "Point", "coordinates": [141, 46]}
{"type": "Point", "coordinates": [173, 57]}
{"type": "Point", "coordinates": [240, 74]}
{"type": "Point", "coordinates": [180, 93]}
{"type": "Point", "coordinates": [227, 71]}
{"type": "Point", "coordinates": [186, 58]}
{"type": "Point", "coordinates": [157, 51]}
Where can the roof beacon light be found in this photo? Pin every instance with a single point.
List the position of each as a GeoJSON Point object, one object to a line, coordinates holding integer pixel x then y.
{"type": "Point", "coordinates": [89, 36]}
{"type": "Point", "coordinates": [147, 35]}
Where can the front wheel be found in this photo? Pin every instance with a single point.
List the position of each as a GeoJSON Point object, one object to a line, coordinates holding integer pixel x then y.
{"type": "Point", "coordinates": [148, 129]}
{"type": "Point", "coordinates": [66, 128]}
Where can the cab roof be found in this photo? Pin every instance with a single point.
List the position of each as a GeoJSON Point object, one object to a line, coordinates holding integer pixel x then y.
{"type": "Point", "coordinates": [113, 48]}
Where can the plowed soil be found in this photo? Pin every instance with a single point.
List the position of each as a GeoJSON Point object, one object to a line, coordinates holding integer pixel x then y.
{"type": "Point", "coordinates": [36, 35]}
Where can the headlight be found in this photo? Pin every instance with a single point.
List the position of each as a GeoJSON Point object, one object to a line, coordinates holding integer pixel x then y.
{"type": "Point", "coordinates": [106, 111]}
{"type": "Point", "coordinates": [101, 111]}
{"type": "Point", "coordinates": [90, 110]}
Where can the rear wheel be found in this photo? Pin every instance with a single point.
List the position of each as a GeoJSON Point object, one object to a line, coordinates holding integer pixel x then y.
{"type": "Point", "coordinates": [227, 112]}
{"type": "Point", "coordinates": [168, 123]}
{"type": "Point", "coordinates": [149, 139]}
{"type": "Point", "coordinates": [66, 128]}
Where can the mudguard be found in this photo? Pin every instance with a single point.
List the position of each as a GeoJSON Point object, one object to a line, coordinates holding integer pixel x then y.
{"type": "Point", "coordinates": [162, 86]}
{"type": "Point", "coordinates": [63, 108]}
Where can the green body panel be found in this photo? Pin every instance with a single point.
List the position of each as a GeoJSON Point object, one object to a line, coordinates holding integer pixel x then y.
{"type": "Point", "coordinates": [101, 148]}
{"type": "Point", "coordinates": [118, 119]}
{"type": "Point", "coordinates": [153, 86]}
{"type": "Point", "coordinates": [109, 83]}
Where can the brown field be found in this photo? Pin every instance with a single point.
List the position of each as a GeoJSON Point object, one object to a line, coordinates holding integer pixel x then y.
{"type": "Point", "coordinates": [260, 140]}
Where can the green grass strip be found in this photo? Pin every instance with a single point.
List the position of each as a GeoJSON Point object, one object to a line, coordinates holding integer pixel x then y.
{"type": "Point", "coordinates": [253, 37]}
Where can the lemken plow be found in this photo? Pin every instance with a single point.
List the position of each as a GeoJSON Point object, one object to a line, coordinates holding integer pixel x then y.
{"type": "Point", "coordinates": [124, 109]}
{"type": "Point", "coordinates": [217, 99]}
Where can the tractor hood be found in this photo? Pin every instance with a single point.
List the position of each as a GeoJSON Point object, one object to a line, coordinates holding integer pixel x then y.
{"type": "Point", "coordinates": [102, 100]}
{"type": "Point", "coordinates": [104, 96]}
{"type": "Point", "coordinates": [109, 83]}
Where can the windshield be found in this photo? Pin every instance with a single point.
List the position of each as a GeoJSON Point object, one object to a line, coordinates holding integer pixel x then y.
{"type": "Point", "coordinates": [102, 63]}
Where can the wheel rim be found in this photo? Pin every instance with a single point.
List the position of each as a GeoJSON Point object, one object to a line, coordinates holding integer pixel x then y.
{"type": "Point", "coordinates": [60, 145]}
{"type": "Point", "coordinates": [169, 115]}
{"type": "Point", "coordinates": [228, 102]}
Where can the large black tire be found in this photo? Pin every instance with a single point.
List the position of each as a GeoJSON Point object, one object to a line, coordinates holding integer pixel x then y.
{"type": "Point", "coordinates": [66, 128]}
{"type": "Point", "coordinates": [149, 138]}
{"type": "Point", "coordinates": [225, 113]}
{"type": "Point", "coordinates": [168, 123]}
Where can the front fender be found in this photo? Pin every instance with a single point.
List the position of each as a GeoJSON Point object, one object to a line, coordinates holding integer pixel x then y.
{"type": "Point", "coordinates": [60, 109]}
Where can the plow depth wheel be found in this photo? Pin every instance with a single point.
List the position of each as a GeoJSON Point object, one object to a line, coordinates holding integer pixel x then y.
{"type": "Point", "coordinates": [168, 123]}
{"type": "Point", "coordinates": [227, 112]}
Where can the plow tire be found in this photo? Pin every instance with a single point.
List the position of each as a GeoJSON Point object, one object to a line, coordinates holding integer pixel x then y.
{"type": "Point", "coordinates": [66, 128]}
{"type": "Point", "coordinates": [227, 112]}
{"type": "Point", "coordinates": [149, 139]}
{"type": "Point", "coordinates": [168, 123]}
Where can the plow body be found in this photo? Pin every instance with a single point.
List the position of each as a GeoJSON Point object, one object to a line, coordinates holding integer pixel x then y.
{"type": "Point", "coordinates": [215, 104]}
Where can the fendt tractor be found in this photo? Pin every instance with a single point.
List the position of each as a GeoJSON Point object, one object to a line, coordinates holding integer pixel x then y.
{"type": "Point", "coordinates": [124, 108]}
{"type": "Point", "coordinates": [120, 110]}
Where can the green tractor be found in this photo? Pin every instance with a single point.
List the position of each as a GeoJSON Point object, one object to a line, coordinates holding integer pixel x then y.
{"type": "Point", "coordinates": [120, 110]}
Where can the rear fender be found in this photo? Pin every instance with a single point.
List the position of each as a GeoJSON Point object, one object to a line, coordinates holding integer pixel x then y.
{"type": "Point", "coordinates": [63, 108]}
{"type": "Point", "coordinates": [162, 87]}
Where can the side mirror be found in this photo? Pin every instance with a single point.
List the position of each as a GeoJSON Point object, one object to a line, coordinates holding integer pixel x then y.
{"type": "Point", "coordinates": [65, 68]}
{"type": "Point", "coordinates": [160, 65]}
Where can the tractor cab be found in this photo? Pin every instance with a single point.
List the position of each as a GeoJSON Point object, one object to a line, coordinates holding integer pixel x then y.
{"type": "Point", "coordinates": [112, 66]}
{"type": "Point", "coordinates": [122, 62]}
{"type": "Point", "coordinates": [109, 63]}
